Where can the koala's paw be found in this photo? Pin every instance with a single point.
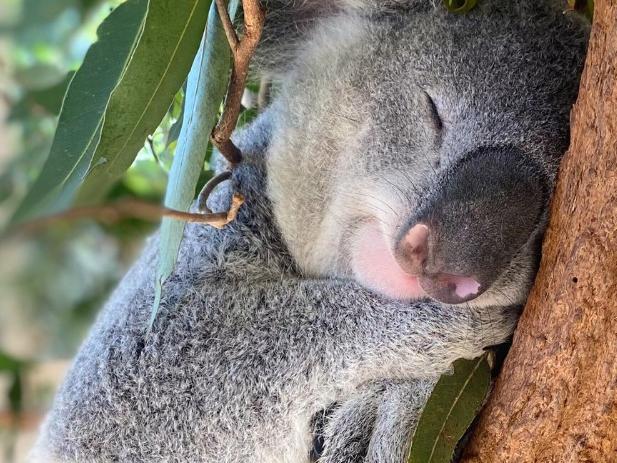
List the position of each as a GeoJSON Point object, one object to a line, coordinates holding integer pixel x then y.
{"type": "Point", "coordinates": [373, 427]}
{"type": "Point", "coordinates": [496, 326]}
{"type": "Point", "coordinates": [343, 431]}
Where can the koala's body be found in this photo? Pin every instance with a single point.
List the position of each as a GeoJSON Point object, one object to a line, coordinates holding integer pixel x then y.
{"type": "Point", "coordinates": [396, 190]}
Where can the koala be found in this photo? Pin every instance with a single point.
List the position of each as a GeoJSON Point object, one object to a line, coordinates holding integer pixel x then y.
{"type": "Point", "coordinates": [396, 194]}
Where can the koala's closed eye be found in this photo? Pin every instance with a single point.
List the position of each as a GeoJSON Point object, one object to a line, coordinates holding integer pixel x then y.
{"type": "Point", "coordinates": [434, 117]}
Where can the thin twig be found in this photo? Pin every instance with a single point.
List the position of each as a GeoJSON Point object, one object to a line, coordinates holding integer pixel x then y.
{"type": "Point", "coordinates": [129, 208]}
{"type": "Point", "coordinates": [23, 421]}
{"type": "Point", "coordinates": [230, 32]}
{"type": "Point", "coordinates": [208, 188]}
{"type": "Point", "coordinates": [150, 141]}
{"type": "Point", "coordinates": [242, 51]}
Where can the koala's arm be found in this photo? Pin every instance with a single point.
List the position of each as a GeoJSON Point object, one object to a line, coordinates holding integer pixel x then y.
{"type": "Point", "coordinates": [234, 341]}
{"type": "Point", "coordinates": [243, 332]}
{"type": "Point", "coordinates": [359, 336]}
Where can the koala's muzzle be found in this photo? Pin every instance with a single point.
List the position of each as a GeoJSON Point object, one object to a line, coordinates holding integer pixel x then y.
{"type": "Point", "coordinates": [481, 213]}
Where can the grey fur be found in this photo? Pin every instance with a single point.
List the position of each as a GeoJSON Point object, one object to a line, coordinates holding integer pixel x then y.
{"type": "Point", "coordinates": [503, 76]}
{"type": "Point", "coordinates": [245, 350]}
{"type": "Point", "coordinates": [262, 325]}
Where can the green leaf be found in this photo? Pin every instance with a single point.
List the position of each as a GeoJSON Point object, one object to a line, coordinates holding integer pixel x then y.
{"type": "Point", "coordinates": [8, 363]}
{"type": "Point", "coordinates": [450, 410]}
{"type": "Point", "coordinates": [83, 111]}
{"type": "Point", "coordinates": [590, 9]}
{"type": "Point", "coordinates": [460, 6]}
{"type": "Point", "coordinates": [15, 393]}
{"type": "Point", "coordinates": [159, 65]}
{"type": "Point", "coordinates": [584, 6]}
{"type": "Point", "coordinates": [51, 98]}
{"type": "Point", "coordinates": [206, 86]}
{"type": "Point", "coordinates": [174, 131]}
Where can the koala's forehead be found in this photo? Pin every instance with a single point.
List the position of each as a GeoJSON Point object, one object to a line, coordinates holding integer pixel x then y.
{"type": "Point", "coordinates": [504, 74]}
{"type": "Point", "coordinates": [507, 54]}
{"type": "Point", "coordinates": [507, 77]}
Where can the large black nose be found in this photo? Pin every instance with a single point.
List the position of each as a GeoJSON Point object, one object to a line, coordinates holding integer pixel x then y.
{"type": "Point", "coordinates": [478, 216]}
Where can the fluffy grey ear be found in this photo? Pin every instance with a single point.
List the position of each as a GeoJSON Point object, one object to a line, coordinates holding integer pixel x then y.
{"type": "Point", "coordinates": [290, 22]}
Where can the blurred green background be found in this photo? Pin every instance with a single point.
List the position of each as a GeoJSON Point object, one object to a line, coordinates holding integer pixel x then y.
{"type": "Point", "coordinates": [53, 281]}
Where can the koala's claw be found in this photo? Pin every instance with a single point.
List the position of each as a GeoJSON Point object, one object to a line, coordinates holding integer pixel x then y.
{"type": "Point", "coordinates": [375, 426]}
{"type": "Point", "coordinates": [344, 430]}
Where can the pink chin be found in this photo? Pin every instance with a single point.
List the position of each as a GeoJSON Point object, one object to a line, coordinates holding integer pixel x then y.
{"type": "Point", "coordinates": [374, 266]}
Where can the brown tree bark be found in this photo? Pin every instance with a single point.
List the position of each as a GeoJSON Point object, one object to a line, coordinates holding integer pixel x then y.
{"type": "Point", "coordinates": [556, 398]}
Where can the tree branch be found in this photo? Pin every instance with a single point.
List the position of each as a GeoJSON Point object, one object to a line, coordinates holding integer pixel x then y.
{"type": "Point", "coordinates": [202, 199]}
{"type": "Point", "coordinates": [242, 50]}
{"type": "Point", "coordinates": [555, 400]}
{"type": "Point", "coordinates": [22, 422]}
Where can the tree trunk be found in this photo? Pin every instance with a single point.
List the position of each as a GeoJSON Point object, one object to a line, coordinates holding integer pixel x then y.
{"type": "Point", "coordinates": [556, 398]}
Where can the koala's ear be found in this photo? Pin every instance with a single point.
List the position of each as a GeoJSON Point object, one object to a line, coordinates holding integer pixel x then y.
{"type": "Point", "coordinates": [288, 23]}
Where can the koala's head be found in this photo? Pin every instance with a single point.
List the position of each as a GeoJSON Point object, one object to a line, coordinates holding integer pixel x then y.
{"type": "Point", "coordinates": [416, 150]}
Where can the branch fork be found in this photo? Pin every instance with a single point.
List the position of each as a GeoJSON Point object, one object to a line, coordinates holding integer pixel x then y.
{"type": "Point", "coordinates": [242, 49]}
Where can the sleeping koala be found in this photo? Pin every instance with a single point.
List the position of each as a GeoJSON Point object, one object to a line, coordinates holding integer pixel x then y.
{"type": "Point", "coordinates": [396, 194]}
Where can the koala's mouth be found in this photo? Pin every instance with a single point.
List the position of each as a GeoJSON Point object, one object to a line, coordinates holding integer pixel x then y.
{"type": "Point", "coordinates": [391, 272]}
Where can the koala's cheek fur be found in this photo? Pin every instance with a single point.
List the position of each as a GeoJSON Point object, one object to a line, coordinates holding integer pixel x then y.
{"type": "Point", "coordinates": [374, 266]}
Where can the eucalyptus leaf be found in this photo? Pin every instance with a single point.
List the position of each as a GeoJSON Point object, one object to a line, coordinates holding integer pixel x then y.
{"type": "Point", "coordinates": [51, 98]}
{"type": "Point", "coordinates": [460, 6]}
{"type": "Point", "coordinates": [158, 67]}
{"type": "Point", "coordinates": [206, 87]}
{"type": "Point", "coordinates": [584, 6]}
{"type": "Point", "coordinates": [83, 111]}
{"type": "Point", "coordinates": [450, 410]}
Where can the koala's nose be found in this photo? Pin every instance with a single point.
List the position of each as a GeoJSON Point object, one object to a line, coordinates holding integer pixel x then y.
{"type": "Point", "coordinates": [476, 218]}
{"type": "Point", "coordinates": [412, 252]}
{"type": "Point", "coordinates": [413, 256]}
